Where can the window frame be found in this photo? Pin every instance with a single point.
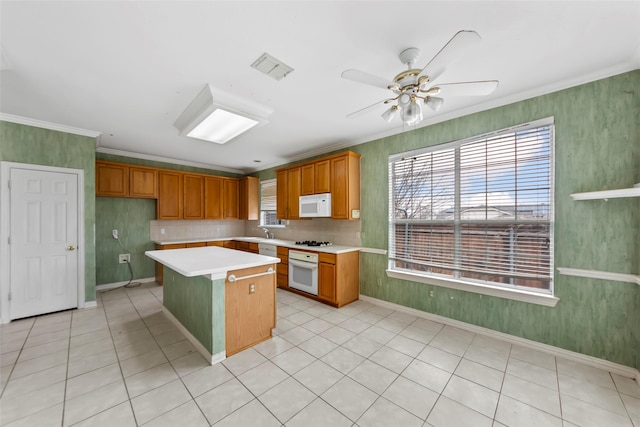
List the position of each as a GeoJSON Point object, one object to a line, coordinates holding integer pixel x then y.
{"type": "Point", "coordinates": [520, 293]}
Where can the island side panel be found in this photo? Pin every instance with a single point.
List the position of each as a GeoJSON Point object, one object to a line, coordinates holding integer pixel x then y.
{"type": "Point", "coordinates": [198, 304]}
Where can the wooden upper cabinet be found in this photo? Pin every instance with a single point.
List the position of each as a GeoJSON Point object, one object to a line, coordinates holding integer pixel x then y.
{"type": "Point", "coordinates": [143, 182]}
{"type": "Point", "coordinates": [282, 198]}
{"type": "Point", "coordinates": [293, 193]}
{"type": "Point", "coordinates": [193, 196]}
{"type": "Point", "coordinates": [307, 179]}
{"type": "Point", "coordinates": [230, 202]}
{"type": "Point", "coordinates": [345, 186]}
{"type": "Point", "coordinates": [322, 176]}
{"type": "Point", "coordinates": [112, 179]}
{"type": "Point", "coordinates": [249, 198]}
{"type": "Point", "coordinates": [169, 195]}
{"type": "Point", "coordinates": [213, 197]}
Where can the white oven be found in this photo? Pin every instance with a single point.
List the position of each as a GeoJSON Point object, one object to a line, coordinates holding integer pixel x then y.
{"type": "Point", "coordinates": [303, 271]}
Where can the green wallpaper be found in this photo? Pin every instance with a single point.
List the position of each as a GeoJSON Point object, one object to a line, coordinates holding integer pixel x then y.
{"type": "Point", "coordinates": [597, 147]}
{"type": "Point", "coordinates": [26, 144]}
{"type": "Point", "coordinates": [198, 303]}
{"type": "Point", "coordinates": [131, 218]}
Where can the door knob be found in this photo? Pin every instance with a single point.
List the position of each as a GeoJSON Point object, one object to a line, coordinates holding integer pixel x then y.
{"type": "Point", "coordinates": [70, 248]}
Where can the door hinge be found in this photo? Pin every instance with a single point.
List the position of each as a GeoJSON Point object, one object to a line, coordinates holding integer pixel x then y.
{"type": "Point", "coordinates": [9, 240]}
{"type": "Point", "coordinates": [9, 183]}
{"type": "Point", "coordinates": [10, 296]}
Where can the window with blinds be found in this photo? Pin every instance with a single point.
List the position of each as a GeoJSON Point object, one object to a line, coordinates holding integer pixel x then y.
{"type": "Point", "coordinates": [478, 210]}
{"type": "Point", "coordinates": [268, 203]}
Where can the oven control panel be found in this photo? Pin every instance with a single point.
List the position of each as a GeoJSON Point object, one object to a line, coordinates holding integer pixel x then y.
{"type": "Point", "coordinates": [303, 256]}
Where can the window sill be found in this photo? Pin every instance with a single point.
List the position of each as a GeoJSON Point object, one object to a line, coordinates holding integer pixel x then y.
{"type": "Point", "coordinates": [494, 291]}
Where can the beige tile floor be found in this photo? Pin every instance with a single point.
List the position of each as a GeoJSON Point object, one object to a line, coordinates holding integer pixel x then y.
{"type": "Point", "coordinates": [125, 364]}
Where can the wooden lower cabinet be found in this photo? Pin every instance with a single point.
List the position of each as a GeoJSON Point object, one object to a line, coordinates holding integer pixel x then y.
{"type": "Point", "coordinates": [283, 267]}
{"type": "Point", "coordinates": [250, 309]}
{"type": "Point", "coordinates": [339, 277]}
{"type": "Point", "coordinates": [160, 267]}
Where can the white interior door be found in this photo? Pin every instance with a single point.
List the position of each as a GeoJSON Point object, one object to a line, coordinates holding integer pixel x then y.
{"type": "Point", "coordinates": [43, 242]}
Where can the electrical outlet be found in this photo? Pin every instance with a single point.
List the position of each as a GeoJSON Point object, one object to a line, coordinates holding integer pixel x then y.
{"type": "Point", "coordinates": [124, 258]}
{"type": "Point", "coordinates": [114, 233]}
{"type": "Point", "coordinates": [431, 294]}
{"type": "Point", "coordinates": [162, 231]}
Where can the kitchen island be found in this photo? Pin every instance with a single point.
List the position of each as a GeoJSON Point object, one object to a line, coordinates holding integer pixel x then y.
{"type": "Point", "coordinates": [223, 300]}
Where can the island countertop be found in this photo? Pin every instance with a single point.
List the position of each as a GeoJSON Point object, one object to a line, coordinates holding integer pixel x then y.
{"type": "Point", "coordinates": [211, 261]}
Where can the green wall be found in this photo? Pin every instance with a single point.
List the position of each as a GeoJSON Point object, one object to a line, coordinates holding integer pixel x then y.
{"type": "Point", "coordinates": [597, 146]}
{"type": "Point", "coordinates": [26, 144]}
{"type": "Point", "coordinates": [131, 218]}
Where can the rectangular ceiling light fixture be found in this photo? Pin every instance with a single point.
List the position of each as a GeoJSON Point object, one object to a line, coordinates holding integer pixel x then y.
{"type": "Point", "coordinates": [216, 116]}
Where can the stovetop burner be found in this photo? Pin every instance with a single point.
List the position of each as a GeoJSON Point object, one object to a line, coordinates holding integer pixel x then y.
{"type": "Point", "coordinates": [313, 243]}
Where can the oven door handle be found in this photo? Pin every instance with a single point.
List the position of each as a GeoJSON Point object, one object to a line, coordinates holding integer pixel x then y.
{"type": "Point", "coordinates": [303, 264]}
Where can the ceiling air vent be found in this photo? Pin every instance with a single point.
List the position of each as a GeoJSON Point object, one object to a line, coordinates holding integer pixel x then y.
{"type": "Point", "coordinates": [271, 66]}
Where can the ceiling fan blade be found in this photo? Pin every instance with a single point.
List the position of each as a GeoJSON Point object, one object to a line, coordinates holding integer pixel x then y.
{"type": "Point", "coordinates": [478, 88]}
{"type": "Point", "coordinates": [453, 50]}
{"type": "Point", "coordinates": [365, 110]}
{"type": "Point", "coordinates": [366, 78]}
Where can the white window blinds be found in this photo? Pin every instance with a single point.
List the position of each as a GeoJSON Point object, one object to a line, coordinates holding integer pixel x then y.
{"type": "Point", "coordinates": [268, 195]}
{"type": "Point", "coordinates": [479, 210]}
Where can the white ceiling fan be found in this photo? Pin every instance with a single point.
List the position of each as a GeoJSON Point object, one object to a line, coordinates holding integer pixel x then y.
{"type": "Point", "coordinates": [414, 87]}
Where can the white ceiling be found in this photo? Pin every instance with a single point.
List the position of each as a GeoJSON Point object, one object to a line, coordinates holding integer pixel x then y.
{"type": "Point", "coordinates": [128, 69]}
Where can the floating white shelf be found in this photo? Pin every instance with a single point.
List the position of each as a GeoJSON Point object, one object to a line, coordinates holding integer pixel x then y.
{"type": "Point", "coordinates": [608, 194]}
{"type": "Point", "coordinates": [604, 275]}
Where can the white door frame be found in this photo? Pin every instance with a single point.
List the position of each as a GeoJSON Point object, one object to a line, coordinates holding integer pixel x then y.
{"type": "Point", "coordinates": [5, 227]}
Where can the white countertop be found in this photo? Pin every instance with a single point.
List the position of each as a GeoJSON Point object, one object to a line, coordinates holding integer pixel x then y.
{"type": "Point", "coordinates": [208, 261]}
{"type": "Point", "coordinates": [333, 249]}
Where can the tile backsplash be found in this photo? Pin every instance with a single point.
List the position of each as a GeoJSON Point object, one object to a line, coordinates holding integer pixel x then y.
{"type": "Point", "coordinates": [338, 232]}
{"type": "Point", "coordinates": [194, 229]}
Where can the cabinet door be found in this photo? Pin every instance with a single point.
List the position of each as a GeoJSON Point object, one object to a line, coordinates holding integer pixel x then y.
{"type": "Point", "coordinates": [327, 282]}
{"type": "Point", "coordinates": [339, 188]}
{"type": "Point", "coordinates": [323, 176]}
{"type": "Point", "coordinates": [169, 195]}
{"type": "Point", "coordinates": [282, 196]}
{"type": "Point", "coordinates": [293, 192]}
{"type": "Point", "coordinates": [112, 180]}
{"type": "Point", "coordinates": [193, 192]}
{"type": "Point", "coordinates": [213, 197]}
{"type": "Point", "coordinates": [307, 179]}
{"type": "Point", "coordinates": [249, 309]}
{"type": "Point", "coordinates": [230, 203]}
{"type": "Point", "coordinates": [249, 194]}
{"type": "Point", "coordinates": [143, 182]}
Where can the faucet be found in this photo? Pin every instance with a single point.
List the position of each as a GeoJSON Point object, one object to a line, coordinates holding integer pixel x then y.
{"type": "Point", "coordinates": [268, 234]}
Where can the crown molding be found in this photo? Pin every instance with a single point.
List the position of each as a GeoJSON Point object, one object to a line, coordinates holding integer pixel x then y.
{"type": "Point", "coordinates": [49, 125]}
{"type": "Point", "coordinates": [167, 160]}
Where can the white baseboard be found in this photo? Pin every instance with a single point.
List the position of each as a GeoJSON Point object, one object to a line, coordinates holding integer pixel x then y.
{"type": "Point", "coordinates": [211, 358]}
{"type": "Point", "coordinates": [622, 370]}
{"type": "Point", "coordinates": [114, 285]}
{"type": "Point", "coordinates": [88, 304]}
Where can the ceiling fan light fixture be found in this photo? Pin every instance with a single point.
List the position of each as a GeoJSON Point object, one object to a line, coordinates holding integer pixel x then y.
{"type": "Point", "coordinates": [412, 113]}
{"type": "Point", "coordinates": [389, 114]}
{"type": "Point", "coordinates": [218, 117]}
{"type": "Point", "coordinates": [434, 102]}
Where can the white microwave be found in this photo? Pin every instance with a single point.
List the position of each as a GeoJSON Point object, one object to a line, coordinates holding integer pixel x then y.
{"type": "Point", "coordinates": [315, 206]}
